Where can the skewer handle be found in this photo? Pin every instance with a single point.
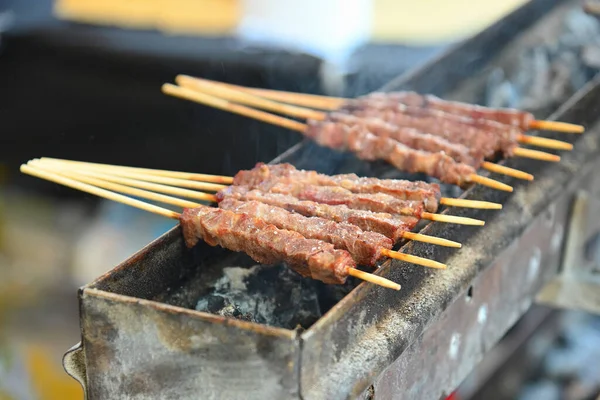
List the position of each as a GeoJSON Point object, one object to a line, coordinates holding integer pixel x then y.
{"type": "Point", "coordinates": [556, 126]}
{"type": "Point", "coordinates": [485, 181]}
{"type": "Point", "coordinates": [56, 178]}
{"type": "Point", "coordinates": [300, 99]}
{"type": "Point", "coordinates": [424, 262]}
{"type": "Point", "coordinates": [243, 97]}
{"type": "Point", "coordinates": [452, 219]}
{"type": "Point", "coordinates": [536, 155]}
{"type": "Point", "coordinates": [419, 237]}
{"type": "Point", "coordinates": [482, 205]}
{"type": "Point", "coordinates": [202, 98]}
{"type": "Point", "coordinates": [545, 142]}
{"type": "Point", "coordinates": [224, 180]}
{"type": "Point", "coordinates": [378, 280]}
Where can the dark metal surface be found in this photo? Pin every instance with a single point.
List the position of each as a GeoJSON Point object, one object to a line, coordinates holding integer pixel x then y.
{"type": "Point", "coordinates": [137, 347]}
{"type": "Point", "coordinates": [578, 284]}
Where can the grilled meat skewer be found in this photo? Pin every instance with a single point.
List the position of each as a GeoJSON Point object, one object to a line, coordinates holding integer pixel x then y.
{"type": "Point", "coordinates": [265, 243]}
{"type": "Point", "coordinates": [365, 247]}
{"type": "Point", "coordinates": [286, 173]}
{"type": "Point", "coordinates": [391, 226]}
{"type": "Point", "coordinates": [511, 117]}
{"type": "Point", "coordinates": [364, 144]}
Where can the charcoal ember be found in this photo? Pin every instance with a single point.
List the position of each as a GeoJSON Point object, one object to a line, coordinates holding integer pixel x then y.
{"type": "Point", "coordinates": [551, 71]}
{"type": "Point", "coordinates": [272, 295]}
{"type": "Point", "coordinates": [221, 305]}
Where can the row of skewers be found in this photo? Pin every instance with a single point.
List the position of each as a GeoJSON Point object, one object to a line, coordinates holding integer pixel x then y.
{"type": "Point", "coordinates": [325, 226]}
{"type": "Point", "coordinates": [415, 133]}
{"type": "Point", "coordinates": [322, 226]}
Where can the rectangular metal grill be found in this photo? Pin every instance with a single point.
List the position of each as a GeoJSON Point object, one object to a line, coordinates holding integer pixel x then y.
{"type": "Point", "coordinates": [142, 339]}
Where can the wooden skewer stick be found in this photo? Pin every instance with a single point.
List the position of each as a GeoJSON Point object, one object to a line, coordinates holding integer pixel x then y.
{"type": "Point", "coordinates": [375, 279]}
{"type": "Point", "coordinates": [419, 237]}
{"type": "Point", "coordinates": [191, 184]}
{"type": "Point", "coordinates": [188, 204]}
{"type": "Point", "coordinates": [536, 155]}
{"type": "Point", "coordinates": [334, 103]}
{"type": "Point", "coordinates": [191, 95]}
{"type": "Point", "coordinates": [452, 219]}
{"type": "Point", "coordinates": [225, 92]}
{"type": "Point", "coordinates": [425, 262]}
{"type": "Point", "coordinates": [501, 169]}
{"type": "Point", "coordinates": [545, 142]}
{"type": "Point", "coordinates": [56, 178]}
{"type": "Point", "coordinates": [209, 197]}
{"type": "Point", "coordinates": [465, 203]}
{"type": "Point", "coordinates": [193, 194]}
{"type": "Point", "coordinates": [145, 194]}
{"type": "Point", "coordinates": [301, 99]}
{"type": "Point", "coordinates": [225, 180]}
{"type": "Point", "coordinates": [483, 205]}
{"type": "Point", "coordinates": [107, 194]}
{"type": "Point", "coordinates": [556, 126]}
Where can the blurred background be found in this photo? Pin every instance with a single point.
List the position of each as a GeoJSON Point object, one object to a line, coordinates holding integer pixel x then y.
{"type": "Point", "coordinates": [80, 79]}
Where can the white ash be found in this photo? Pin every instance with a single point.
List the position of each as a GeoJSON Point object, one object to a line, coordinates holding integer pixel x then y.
{"type": "Point", "coordinates": [273, 295]}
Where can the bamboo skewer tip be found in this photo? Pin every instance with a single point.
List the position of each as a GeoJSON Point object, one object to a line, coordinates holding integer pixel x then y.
{"type": "Point", "coordinates": [494, 184]}
{"type": "Point", "coordinates": [545, 142]}
{"type": "Point", "coordinates": [377, 280]}
{"type": "Point", "coordinates": [424, 262]}
{"type": "Point", "coordinates": [483, 205]}
{"type": "Point", "coordinates": [419, 237]}
{"type": "Point", "coordinates": [504, 170]}
{"type": "Point", "coordinates": [557, 126]}
{"type": "Point", "coordinates": [452, 219]}
{"type": "Point", "coordinates": [536, 155]}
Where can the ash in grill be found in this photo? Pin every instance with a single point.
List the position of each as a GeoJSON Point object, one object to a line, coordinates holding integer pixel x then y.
{"type": "Point", "coordinates": [232, 285]}
{"type": "Point", "coordinates": [549, 72]}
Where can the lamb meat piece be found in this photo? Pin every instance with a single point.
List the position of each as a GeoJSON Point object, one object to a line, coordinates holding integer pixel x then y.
{"type": "Point", "coordinates": [391, 226]}
{"type": "Point", "coordinates": [368, 146]}
{"type": "Point", "coordinates": [456, 129]}
{"type": "Point", "coordinates": [334, 195]}
{"type": "Point", "coordinates": [506, 116]}
{"type": "Point", "coordinates": [265, 243]}
{"type": "Point", "coordinates": [414, 138]}
{"type": "Point", "coordinates": [507, 134]}
{"type": "Point", "coordinates": [430, 194]}
{"type": "Point", "coordinates": [365, 247]}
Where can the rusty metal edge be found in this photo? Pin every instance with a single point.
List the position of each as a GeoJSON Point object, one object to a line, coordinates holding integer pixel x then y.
{"type": "Point", "coordinates": [170, 309]}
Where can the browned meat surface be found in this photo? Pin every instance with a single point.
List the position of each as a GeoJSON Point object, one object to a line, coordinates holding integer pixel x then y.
{"type": "Point", "coordinates": [286, 173]}
{"type": "Point", "coordinates": [266, 243]}
{"type": "Point", "coordinates": [368, 146]}
{"type": "Point", "coordinates": [506, 116]}
{"type": "Point", "coordinates": [413, 138]}
{"type": "Point", "coordinates": [488, 143]}
{"type": "Point", "coordinates": [335, 195]}
{"type": "Point", "coordinates": [391, 226]}
{"type": "Point", "coordinates": [365, 247]}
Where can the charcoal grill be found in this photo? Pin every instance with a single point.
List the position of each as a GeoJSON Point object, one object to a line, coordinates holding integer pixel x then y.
{"type": "Point", "coordinates": [142, 339]}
